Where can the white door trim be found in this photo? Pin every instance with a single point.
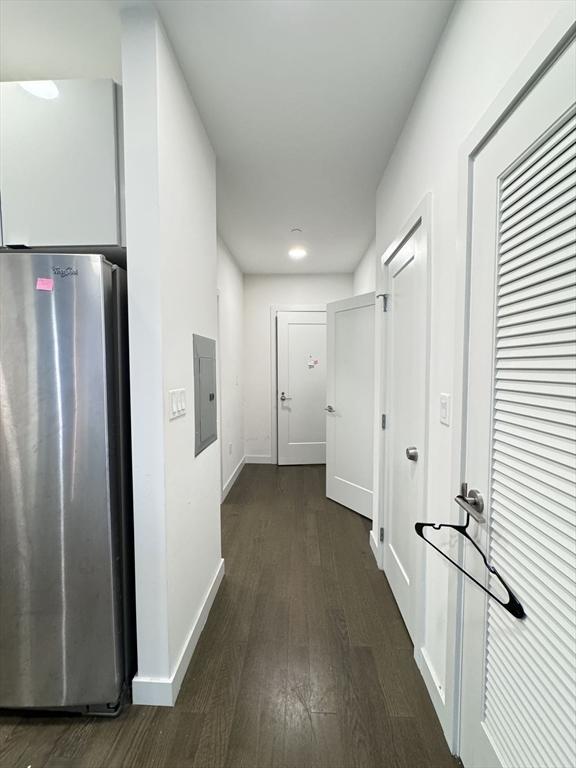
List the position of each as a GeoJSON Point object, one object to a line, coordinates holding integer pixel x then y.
{"type": "Point", "coordinates": [546, 49]}
{"type": "Point", "coordinates": [421, 217]}
{"type": "Point", "coordinates": [219, 395]}
{"type": "Point", "coordinates": [274, 309]}
{"type": "Point", "coordinates": [419, 220]}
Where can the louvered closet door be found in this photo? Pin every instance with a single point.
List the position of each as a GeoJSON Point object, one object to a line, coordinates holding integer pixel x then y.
{"type": "Point", "coordinates": [519, 677]}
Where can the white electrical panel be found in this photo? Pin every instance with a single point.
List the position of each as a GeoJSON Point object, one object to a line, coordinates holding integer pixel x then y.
{"type": "Point", "coordinates": [205, 418]}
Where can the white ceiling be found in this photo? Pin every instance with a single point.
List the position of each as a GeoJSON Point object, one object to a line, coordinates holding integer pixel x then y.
{"type": "Point", "coordinates": [303, 101]}
{"type": "Point", "coordinates": [58, 39]}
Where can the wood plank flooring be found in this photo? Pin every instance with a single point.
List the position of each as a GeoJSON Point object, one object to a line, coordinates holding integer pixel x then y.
{"type": "Point", "coordinates": [304, 661]}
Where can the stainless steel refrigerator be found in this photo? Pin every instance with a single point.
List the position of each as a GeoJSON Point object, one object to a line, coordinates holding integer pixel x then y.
{"type": "Point", "coordinates": [66, 563]}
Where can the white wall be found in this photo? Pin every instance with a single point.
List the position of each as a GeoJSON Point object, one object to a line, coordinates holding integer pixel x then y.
{"type": "Point", "coordinates": [59, 39]}
{"type": "Point", "coordinates": [231, 365]}
{"type": "Point", "coordinates": [365, 273]}
{"type": "Point", "coordinates": [261, 292]}
{"type": "Point", "coordinates": [171, 240]}
{"type": "Point", "coordinates": [483, 44]}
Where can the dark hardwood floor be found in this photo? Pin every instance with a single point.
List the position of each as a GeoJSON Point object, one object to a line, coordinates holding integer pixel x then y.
{"type": "Point", "coordinates": [304, 661]}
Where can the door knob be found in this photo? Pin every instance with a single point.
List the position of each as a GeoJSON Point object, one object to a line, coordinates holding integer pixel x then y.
{"type": "Point", "coordinates": [471, 501]}
{"type": "Point", "coordinates": [284, 397]}
{"type": "Point", "coordinates": [412, 453]}
{"type": "Point", "coordinates": [330, 409]}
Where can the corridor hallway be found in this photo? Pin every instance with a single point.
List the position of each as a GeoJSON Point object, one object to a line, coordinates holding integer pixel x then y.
{"type": "Point", "coordinates": [304, 660]}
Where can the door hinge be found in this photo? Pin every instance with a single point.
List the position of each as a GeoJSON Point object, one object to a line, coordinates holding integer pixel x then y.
{"type": "Point", "coordinates": [383, 421]}
{"type": "Point", "coordinates": [381, 534]}
{"type": "Point", "coordinates": [385, 297]}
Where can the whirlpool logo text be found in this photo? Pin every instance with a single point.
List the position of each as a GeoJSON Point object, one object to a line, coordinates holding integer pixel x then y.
{"type": "Point", "coordinates": [65, 271]}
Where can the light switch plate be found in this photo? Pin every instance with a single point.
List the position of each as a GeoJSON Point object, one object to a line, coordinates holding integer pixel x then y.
{"type": "Point", "coordinates": [445, 408]}
{"type": "Point", "coordinates": [176, 403]}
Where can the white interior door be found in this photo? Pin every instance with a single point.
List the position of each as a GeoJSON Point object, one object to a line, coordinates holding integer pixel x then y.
{"type": "Point", "coordinates": [350, 403]}
{"type": "Point", "coordinates": [405, 340]}
{"type": "Point", "coordinates": [301, 351]}
{"type": "Point", "coordinates": [519, 676]}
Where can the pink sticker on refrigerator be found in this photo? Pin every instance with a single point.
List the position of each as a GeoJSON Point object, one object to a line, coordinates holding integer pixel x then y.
{"type": "Point", "coordinates": [44, 284]}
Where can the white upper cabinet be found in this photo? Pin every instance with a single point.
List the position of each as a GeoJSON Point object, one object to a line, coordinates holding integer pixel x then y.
{"type": "Point", "coordinates": [59, 163]}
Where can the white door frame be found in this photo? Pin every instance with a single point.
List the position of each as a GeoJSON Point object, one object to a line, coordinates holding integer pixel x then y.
{"type": "Point", "coordinates": [545, 50]}
{"type": "Point", "coordinates": [274, 309]}
{"type": "Point", "coordinates": [421, 217]}
{"type": "Point", "coordinates": [419, 220]}
{"type": "Point", "coordinates": [219, 390]}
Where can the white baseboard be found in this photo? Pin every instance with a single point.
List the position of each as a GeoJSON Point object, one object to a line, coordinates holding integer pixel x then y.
{"type": "Point", "coordinates": [259, 460]}
{"type": "Point", "coordinates": [232, 479]}
{"type": "Point", "coordinates": [163, 691]}
{"type": "Point", "coordinates": [153, 691]}
{"type": "Point", "coordinates": [437, 695]}
{"type": "Point", "coordinates": [435, 690]}
{"type": "Point", "coordinates": [375, 547]}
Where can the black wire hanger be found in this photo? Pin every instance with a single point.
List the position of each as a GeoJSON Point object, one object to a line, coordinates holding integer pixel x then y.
{"type": "Point", "coordinates": [513, 605]}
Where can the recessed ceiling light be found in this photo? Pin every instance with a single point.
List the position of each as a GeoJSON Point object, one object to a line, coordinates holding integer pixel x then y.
{"type": "Point", "coordinates": [43, 89]}
{"type": "Point", "coordinates": [297, 253]}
